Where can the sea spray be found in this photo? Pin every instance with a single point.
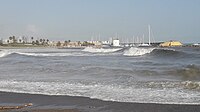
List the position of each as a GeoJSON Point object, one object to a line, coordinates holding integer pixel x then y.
{"type": "Point", "coordinates": [134, 51]}
{"type": "Point", "coordinates": [100, 50]}
{"type": "Point", "coordinates": [110, 92]}
{"type": "Point", "coordinates": [5, 53]}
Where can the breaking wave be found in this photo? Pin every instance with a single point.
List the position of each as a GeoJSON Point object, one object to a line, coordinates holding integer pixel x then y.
{"type": "Point", "coordinates": [170, 93]}
{"type": "Point", "coordinates": [189, 72]}
{"type": "Point", "coordinates": [135, 51]}
{"type": "Point", "coordinates": [101, 50]}
{"type": "Point", "coordinates": [5, 53]}
{"type": "Point", "coordinates": [191, 85]}
{"type": "Point", "coordinates": [51, 54]}
{"type": "Point", "coordinates": [167, 52]}
{"type": "Point", "coordinates": [90, 51]}
{"type": "Point", "coordinates": [45, 54]}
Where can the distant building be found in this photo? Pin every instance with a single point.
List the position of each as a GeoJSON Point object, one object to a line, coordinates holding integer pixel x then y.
{"type": "Point", "coordinates": [115, 42]}
{"type": "Point", "coordinates": [7, 41]}
{"type": "Point", "coordinates": [106, 42]}
{"type": "Point", "coordinates": [52, 43]}
{"type": "Point", "coordinates": [96, 43]}
{"type": "Point", "coordinates": [20, 40]}
{"type": "Point", "coordinates": [196, 45]}
{"type": "Point", "coordinates": [171, 44]}
{"type": "Point", "coordinates": [73, 44]}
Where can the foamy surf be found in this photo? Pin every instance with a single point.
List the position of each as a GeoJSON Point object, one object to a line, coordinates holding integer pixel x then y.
{"type": "Point", "coordinates": [104, 76]}
{"type": "Point", "coordinates": [106, 92]}
{"type": "Point", "coordinates": [58, 53]}
{"type": "Point", "coordinates": [101, 50]}
{"type": "Point", "coordinates": [51, 54]}
{"type": "Point", "coordinates": [135, 51]}
{"type": "Point", "coordinates": [5, 53]}
{"type": "Point", "coordinates": [75, 54]}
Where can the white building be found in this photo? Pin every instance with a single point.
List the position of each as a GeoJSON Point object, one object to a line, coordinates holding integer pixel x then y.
{"type": "Point", "coordinates": [7, 41]}
{"type": "Point", "coordinates": [115, 42]}
{"type": "Point", "coordinates": [106, 42]}
{"type": "Point", "coordinates": [20, 40]}
{"type": "Point", "coordinates": [96, 43]}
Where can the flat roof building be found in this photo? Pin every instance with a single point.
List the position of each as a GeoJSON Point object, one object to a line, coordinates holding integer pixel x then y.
{"type": "Point", "coordinates": [171, 44]}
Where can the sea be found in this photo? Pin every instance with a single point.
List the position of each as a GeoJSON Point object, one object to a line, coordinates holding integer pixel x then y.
{"type": "Point", "coordinates": [135, 74]}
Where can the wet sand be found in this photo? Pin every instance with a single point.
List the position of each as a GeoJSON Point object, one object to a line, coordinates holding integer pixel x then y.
{"type": "Point", "coordinates": [44, 103]}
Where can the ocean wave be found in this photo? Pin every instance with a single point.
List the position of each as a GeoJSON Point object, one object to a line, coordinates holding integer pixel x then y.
{"type": "Point", "coordinates": [109, 92]}
{"type": "Point", "coordinates": [101, 50]}
{"type": "Point", "coordinates": [49, 54]}
{"type": "Point", "coordinates": [89, 51]}
{"type": "Point", "coordinates": [191, 85]}
{"type": "Point", "coordinates": [78, 54]}
{"type": "Point", "coordinates": [5, 53]}
{"type": "Point", "coordinates": [161, 52]}
{"type": "Point", "coordinates": [167, 52]}
{"type": "Point", "coordinates": [189, 72]}
{"type": "Point", "coordinates": [44, 53]}
{"type": "Point", "coordinates": [135, 51]}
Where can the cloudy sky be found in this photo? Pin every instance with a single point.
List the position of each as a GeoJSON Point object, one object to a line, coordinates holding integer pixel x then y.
{"type": "Point", "coordinates": [83, 19]}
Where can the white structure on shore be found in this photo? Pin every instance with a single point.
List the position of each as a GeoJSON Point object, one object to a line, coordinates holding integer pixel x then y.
{"type": "Point", "coordinates": [115, 42]}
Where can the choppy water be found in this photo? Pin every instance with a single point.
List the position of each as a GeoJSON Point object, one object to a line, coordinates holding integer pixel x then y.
{"type": "Point", "coordinates": [143, 75]}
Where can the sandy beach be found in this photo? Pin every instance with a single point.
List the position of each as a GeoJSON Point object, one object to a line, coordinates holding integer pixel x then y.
{"type": "Point", "coordinates": [43, 103]}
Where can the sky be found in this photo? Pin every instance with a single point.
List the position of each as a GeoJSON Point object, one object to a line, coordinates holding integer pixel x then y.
{"type": "Point", "coordinates": [101, 19]}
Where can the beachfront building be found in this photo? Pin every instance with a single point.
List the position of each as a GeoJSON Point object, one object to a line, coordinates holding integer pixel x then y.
{"type": "Point", "coordinates": [52, 43]}
{"type": "Point", "coordinates": [171, 44]}
{"type": "Point", "coordinates": [115, 42]}
{"type": "Point", "coordinates": [196, 45]}
{"type": "Point", "coordinates": [73, 44]}
{"type": "Point", "coordinates": [94, 43]}
{"type": "Point", "coordinates": [20, 40]}
{"type": "Point", "coordinates": [67, 44]}
{"type": "Point", "coordinates": [106, 42]}
{"type": "Point", "coordinates": [5, 41]}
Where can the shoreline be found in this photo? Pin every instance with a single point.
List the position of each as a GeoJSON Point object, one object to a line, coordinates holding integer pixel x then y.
{"type": "Point", "coordinates": [25, 47]}
{"type": "Point", "coordinates": [40, 47]}
{"type": "Point", "coordinates": [63, 47]}
{"type": "Point", "coordinates": [45, 103]}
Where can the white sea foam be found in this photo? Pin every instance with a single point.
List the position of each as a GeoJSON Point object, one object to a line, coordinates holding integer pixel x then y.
{"type": "Point", "coordinates": [135, 51]}
{"type": "Point", "coordinates": [104, 91]}
{"type": "Point", "coordinates": [57, 54]}
{"type": "Point", "coordinates": [4, 53]}
{"type": "Point", "coordinates": [52, 53]}
{"type": "Point", "coordinates": [8, 52]}
{"type": "Point", "coordinates": [100, 50]}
